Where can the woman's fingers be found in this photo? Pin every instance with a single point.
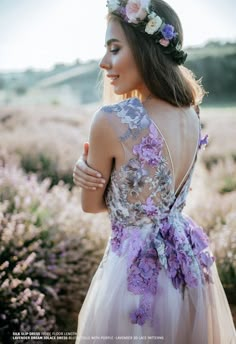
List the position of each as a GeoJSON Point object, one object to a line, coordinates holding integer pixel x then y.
{"type": "Point", "coordinates": [87, 185]}
{"type": "Point", "coordinates": [86, 149]}
{"type": "Point", "coordinates": [86, 177]}
{"type": "Point", "coordinates": [91, 181]}
{"type": "Point", "coordinates": [82, 166]}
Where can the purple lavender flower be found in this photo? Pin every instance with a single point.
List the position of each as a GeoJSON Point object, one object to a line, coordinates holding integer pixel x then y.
{"type": "Point", "coordinates": [150, 149]}
{"type": "Point", "coordinates": [168, 32]}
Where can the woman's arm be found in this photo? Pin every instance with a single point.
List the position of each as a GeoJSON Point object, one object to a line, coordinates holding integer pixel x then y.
{"type": "Point", "coordinates": [84, 176]}
{"type": "Point", "coordinates": [102, 152]}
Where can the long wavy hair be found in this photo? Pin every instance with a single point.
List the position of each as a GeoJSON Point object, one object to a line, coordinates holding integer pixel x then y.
{"type": "Point", "coordinates": [160, 72]}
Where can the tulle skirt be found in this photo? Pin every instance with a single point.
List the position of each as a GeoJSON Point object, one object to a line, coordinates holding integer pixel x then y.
{"type": "Point", "coordinates": [199, 316]}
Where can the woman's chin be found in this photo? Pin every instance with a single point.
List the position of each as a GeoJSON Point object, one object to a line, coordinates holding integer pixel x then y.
{"type": "Point", "coordinates": [119, 92]}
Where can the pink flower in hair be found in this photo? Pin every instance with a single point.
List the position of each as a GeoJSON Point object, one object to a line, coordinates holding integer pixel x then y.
{"type": "Point", "coordinates": [137, 10]}
{"type": "Point", "coordinates": [164, 42]}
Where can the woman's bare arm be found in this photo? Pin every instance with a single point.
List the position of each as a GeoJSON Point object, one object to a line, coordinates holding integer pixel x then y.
{"type": "Point", "coordinates": [84, 176]}
{"type": "Point", "coordinates": [102, 146]}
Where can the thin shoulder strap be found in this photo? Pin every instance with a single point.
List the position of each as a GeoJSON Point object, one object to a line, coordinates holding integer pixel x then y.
{"type": "Point", "coordinates": [168, 149]}
{"type": "Point", "coordinates": [177, 192]}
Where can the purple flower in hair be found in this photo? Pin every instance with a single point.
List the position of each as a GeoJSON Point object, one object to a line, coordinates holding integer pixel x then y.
{"type": "Point", "coordinates": [122, 12]}
{"type": "Point", "coordinates": [203, 141]}
{"type": "Point", "coordinates": [168, 32]}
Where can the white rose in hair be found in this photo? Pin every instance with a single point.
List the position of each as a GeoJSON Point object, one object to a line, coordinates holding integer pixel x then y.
{"type": "Point", "coordinates": [136, 10]}
{"type": "Point", "coordinates": [113, 5]}
{"type": "Point", "coordinates": [153, 25]}
{"type": "Point", "coordinates": [152, 15]}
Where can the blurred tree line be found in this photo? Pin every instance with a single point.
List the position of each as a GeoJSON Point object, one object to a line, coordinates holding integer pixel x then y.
{"type": "Point", "coordinates": [215, 63]}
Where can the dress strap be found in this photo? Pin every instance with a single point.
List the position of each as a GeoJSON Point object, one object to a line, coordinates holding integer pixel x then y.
{"type": "Point", "coordinates": [168, 149]}
{"type": "Point", "coordinates": [177, 192]}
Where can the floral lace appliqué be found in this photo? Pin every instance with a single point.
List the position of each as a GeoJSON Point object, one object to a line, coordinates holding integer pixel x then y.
{"type": "Point", "coordinates": [149, 151]}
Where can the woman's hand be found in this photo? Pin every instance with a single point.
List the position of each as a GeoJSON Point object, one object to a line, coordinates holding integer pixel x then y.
{"type": "Point", "coordinates": [84, 176]}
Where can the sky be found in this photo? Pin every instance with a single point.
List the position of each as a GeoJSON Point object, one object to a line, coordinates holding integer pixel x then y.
{"type": "Point", "coordinates": [40, 33]}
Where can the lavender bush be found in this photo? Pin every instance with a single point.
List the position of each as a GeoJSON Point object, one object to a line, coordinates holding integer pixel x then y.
{"type": "Point", "coordinates": [48, 253]}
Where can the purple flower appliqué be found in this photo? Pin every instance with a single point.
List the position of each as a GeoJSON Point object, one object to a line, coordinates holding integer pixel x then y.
{"type": "Point", "coordinates": [149, 151]}
{"type": "Point", "coordinates": [143, 272]}
{"type": "Point", "coordinates": [150, 208]}
{"type": "Point", "coordinates": [199, 239]}
{"type": "Point", "coordinates": [118, 237]}
{"type": "Point", "coordinates": [139, 316]}
{"type": "Point", "coordinates": [206, 260]}
{"type": "Point", "coordinates": [135, 244]}
{"type": "Point", "coordinates": [168, 32]}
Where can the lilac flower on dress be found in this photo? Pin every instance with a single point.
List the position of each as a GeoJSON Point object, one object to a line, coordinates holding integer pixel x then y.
{"type": "Point", "coordinates": [118, 237]}
{"type": "Point", "coordinates": [135, 176]}
{"type": "Point", "coordinates": [139, 316]}
{"type": "Point", "coordinates": [199, 239]}
{"type": "Point", "coordinates": [136, 243]}
{"type": "Point", "coordinates": [206, 259]}
{"type": "Point", "coordinates": [142, 274]}
{"type": "Point", "coordinates": [150, 208]}
{"type": "Point", "coordinates": [149, 151]}
{"type": "Point", "coordinates": [132, 115]}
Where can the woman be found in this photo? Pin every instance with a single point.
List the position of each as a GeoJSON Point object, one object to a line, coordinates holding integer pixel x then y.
{"type": "Point", "coordinates": [157, 281]}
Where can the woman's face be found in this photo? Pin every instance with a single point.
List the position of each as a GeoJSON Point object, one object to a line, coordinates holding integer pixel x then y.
{"type": "Point", "coordinates": [119, 62]}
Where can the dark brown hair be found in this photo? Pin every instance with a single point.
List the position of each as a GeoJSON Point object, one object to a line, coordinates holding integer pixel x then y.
{"type": "Point", "coordinates": [162, 75]}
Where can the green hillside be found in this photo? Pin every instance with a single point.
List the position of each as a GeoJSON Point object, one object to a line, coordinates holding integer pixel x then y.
{"type": "Point", "coordinates": [215, 63]}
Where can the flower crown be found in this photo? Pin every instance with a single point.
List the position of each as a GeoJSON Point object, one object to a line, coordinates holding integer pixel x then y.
{"type": "Point", "coordinates": [141, 15]}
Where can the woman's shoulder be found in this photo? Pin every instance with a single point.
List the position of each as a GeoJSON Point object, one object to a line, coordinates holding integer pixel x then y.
{"type": "Point", "coordinates": [121, 109]}
{"type": "Point", "coordinates": [126, 104]}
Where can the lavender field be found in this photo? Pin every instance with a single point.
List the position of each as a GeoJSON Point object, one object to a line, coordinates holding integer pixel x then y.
{"type": "Point", "coordinates": [49, 248]}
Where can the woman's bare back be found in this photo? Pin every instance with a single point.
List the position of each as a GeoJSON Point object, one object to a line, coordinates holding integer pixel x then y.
{"type": "Point", "coordinates": [180, 129]}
